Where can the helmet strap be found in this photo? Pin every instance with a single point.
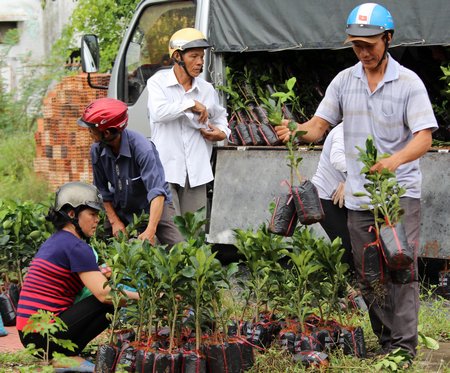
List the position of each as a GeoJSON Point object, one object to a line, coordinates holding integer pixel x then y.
{"type": "Point", "coordinates": [386, 46]}
{"type": "Point", "coordinates": [182, 64]}
{"type": "Point", "coordinates": [75, 223]}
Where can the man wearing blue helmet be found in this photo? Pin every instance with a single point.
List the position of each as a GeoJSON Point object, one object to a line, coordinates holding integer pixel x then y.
{"type": "Point", "coordinates": [380, 98]}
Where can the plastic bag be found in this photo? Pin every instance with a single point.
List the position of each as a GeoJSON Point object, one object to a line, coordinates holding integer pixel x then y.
{"type": "Point", "coordinates": [3, 331]}
{"type": "Point", "coordinates": [405, 276]}
{"type": "Point", "coordinates": [352, 341]}
{"type": "Point", "coordinates": [397, 252]}
{"type": "Point", "coordinates": [372, 264]}
{"type": "Point", "coordinates": [269, 134]}
{"type": "Point", "coordinates": [243, 134]}
{"type": "Point", "coordinates": [314, 359]}
{"type": "Point", "coordinates": [7, 309]}
{"type": "Point", "coordinates": [307, 203]}
{"type": "Point", "coordinates": [257, 139]}
{"type": "Point", "coordinates": [284, 216]}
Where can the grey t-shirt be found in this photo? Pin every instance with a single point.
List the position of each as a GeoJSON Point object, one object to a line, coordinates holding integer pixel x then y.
{"type": "Point", "coordinates": [391, 114]}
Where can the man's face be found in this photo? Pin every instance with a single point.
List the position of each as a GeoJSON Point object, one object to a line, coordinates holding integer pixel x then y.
{"type": "Point", "coordinates": [370, 54]}
{"type": "Point", "coordinates": [194, 60]}
{"type": "Point", "coordinates": [96, 135]}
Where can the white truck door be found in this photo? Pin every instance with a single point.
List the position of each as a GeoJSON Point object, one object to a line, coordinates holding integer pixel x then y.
{"type": "Point", "coordinates": [144, 51]}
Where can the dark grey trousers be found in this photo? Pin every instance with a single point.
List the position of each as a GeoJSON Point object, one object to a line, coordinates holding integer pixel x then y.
{"type": "Point", "coordinates": [188, 199]}
{"type": "Point", "coordinates": [394, 317]}
{"type": "Point", "coordinates": [167, 232]}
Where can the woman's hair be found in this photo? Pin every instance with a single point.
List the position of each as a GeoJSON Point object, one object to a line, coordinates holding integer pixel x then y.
{"type": "Point", "coordinates": [61, 218]}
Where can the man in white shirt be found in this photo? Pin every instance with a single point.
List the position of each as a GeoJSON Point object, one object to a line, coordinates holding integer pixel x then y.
{"type": "Point", "coordinates": [329, 180]}
{"type": "Point", "coordinates": [186, 118]}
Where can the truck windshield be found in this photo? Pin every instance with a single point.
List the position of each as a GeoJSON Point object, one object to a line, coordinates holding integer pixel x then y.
{"type": "Point", "coordinates": [147, 50]}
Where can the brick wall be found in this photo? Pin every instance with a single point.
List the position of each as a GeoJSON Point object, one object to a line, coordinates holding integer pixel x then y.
{"type": "Point", "coordinates": [62, 146]}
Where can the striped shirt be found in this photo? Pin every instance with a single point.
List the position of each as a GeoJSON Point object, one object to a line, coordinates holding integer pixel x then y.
{"type": "Point", "coordinates": [391, 114]}
{"type": "Point", "coordinates": [52, 281]}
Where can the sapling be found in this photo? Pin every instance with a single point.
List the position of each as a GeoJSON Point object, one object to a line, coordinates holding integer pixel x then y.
{"type": "Point", "coordinates": [192, 226]}
{"type": "Point", "coordinates": [149, 287]}
{"type": "Point", "coordinates": [170, 266]}
{"type": "Point", "coordinates": [382, 189]}
{"type": "Point", "coordinates": [262, 252]}
{"type": "Point", "coordinates": [112, 254]}
{"type": "Point", "coordinates": [298, 292]}
{"type": "Point", "coordinates": [47, 324]}
{"type": "Point", "coordinates": [203, 269]}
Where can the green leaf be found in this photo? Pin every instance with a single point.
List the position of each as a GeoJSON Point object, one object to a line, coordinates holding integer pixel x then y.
{"type": "Point", "coordinates": [428, 342]}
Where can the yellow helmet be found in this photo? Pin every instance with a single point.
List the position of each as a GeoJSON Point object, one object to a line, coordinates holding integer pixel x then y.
{"type": "Point", "coordinates": [187, 38]}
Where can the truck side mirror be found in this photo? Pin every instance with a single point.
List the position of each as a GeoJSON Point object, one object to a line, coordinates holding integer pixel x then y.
{"type": "Point", "coordinates": [90, 55]}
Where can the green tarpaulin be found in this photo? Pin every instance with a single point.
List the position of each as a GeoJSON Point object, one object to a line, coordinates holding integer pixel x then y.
{"type": "Point", "coordinates": [271, 25]}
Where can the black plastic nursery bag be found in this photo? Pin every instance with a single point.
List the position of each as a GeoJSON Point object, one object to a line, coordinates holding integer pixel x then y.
{"type": "Point", "coordinates": [193, 363]}
{"type": "Point", "coordinates": [314, 359]}
{"type": "Point", "coordinates": [243, 134]}
{"type": "Point", "coordinates": [8, 309]}
{"type": "Point", "coordinates": [234, 137]}
{"type": "Point", "coordinates": [284, 216]}
{"type": "Point", "coordinates": [105, 361]}
{"type": "Point", "coordinates": [269, 134]}
{"type": "Point", "coordinates": [287, 340]}
{"type": "Point", "coordinates": [167, 363]}
{"type": "Point", "coordinates": [260, 113]}
{"type": "Point", "coordinates": [145, 360]}
{"type": "Point", "coordinates": [405, 276]}
{"type": "Point", "coordinates": [127, 358]}
{"type": "Point", "coordinates": [307, 342]}
{"type": "Point", "coordinates": [223, 358]}
{"type": "Point", "coordinates": [397, 252]}
{"type": "Point", "coordinates": [247, 355]}
{"type": "Point", "coordinates": [373, 264]}
{"type": "Point", "coordinates": [352, 341]}
{"type": "Point", "coordinates": [307, 203]}
{"type": "Point", "coordinates": [257, 139]}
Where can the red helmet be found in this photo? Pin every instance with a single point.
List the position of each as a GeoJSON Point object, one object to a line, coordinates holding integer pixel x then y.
{"type": "Point", "coordinates": [105, 113]}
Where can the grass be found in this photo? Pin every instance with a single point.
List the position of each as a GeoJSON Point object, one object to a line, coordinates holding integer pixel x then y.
{"type": "Point", "coordinates": [17, 178]}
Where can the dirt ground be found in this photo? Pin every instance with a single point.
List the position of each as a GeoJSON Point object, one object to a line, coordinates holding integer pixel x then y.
{"type": "Point", "coordinates": [434, 361]}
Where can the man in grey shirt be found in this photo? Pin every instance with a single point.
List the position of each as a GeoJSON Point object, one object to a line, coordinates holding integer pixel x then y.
{"type": "Point", "coordinates": [380, 98]}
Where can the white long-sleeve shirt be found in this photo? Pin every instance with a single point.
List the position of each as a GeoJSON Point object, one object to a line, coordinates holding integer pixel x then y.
{"type": "Point", "coordinates": [175, 129]}
{"type": "Point", "coordinates": [332, 166]}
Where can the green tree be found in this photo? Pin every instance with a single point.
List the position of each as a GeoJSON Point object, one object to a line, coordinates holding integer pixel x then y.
{"type": "Point", "coordinates": [105, 18]}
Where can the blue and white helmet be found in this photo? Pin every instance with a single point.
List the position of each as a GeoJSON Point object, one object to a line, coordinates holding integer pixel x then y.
{"type": "Point", "coordinates": [367, 20]}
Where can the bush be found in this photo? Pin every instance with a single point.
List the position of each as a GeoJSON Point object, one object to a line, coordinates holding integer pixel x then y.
{"type": "Point", "coordinates": [17, 178]}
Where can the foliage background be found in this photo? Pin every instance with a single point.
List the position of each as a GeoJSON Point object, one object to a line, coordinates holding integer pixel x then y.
{"type": "Point", "coordinates": [20, 109]}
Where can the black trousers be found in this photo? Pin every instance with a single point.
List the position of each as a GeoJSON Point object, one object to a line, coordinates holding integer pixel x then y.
{"type": "Point", "coordinates": [85, 320]}
{"type": "Point", "coordinates": [335, 225]}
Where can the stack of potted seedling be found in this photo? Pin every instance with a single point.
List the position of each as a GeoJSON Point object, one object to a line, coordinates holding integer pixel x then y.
{"type": "Point", "coordinates": [184, 323]}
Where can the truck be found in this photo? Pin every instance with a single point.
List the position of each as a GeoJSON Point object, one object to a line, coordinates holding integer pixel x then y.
{"type": "Point", "coordinates": [247, 178]}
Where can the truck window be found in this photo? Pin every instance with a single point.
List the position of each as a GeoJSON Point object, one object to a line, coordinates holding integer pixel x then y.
{"type": "Point", "coordinates": [147, 50]}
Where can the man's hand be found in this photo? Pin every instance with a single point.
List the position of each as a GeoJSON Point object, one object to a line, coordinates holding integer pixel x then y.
{"type": "Point", "coordinates": [212, 133]}
{"type": "Point", "coordinates": [390, 163]}
{"type": "Point", "coordinates": [283, 131]}
{"type": "Point", "coordinates": [338, 195]}
{"type": "Point", "coordinates": [147, 235]}
{"type": "Point", "coordinates": [201, 110]}
{"type": "Point", "coordinates": [117, 227]}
